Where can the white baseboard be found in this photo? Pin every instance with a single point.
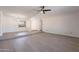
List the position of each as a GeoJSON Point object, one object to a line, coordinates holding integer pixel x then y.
{"type": "Point", "coordinates": [62, 34]}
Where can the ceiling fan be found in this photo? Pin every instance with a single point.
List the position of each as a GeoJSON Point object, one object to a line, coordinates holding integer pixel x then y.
{"type": "Point", "coordinates": [44, 10]}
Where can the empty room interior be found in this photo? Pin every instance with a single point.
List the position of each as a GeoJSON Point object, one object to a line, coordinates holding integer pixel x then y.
{"type": "Point", "coordinates": [39, 28]}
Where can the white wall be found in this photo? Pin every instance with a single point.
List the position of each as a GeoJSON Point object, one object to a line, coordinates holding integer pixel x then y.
{"type": "Point", "coordinates": [66, 24]}
{"type": "Point", "coordinates": [10, 22]}
{"type": "Point", "coordinates": [28, 24]}
{"type": "Point", "coordinates": [1, 23]}
{"type": "Point", "coordinates": [0, 26]}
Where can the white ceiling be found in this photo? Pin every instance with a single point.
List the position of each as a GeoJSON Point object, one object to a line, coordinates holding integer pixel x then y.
{"type": "Point", "coordinates": [18, 9]}
{"type": "Point", "coordinates": [64, 9]}
{"type": "Point", "coordinates": [31, 10]}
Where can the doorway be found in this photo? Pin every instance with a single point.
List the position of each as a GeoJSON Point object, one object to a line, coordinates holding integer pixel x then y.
{"type": "Point", "coordinates": [36, 24]}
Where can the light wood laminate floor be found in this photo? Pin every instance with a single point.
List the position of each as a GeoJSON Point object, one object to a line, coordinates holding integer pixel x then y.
{"type": "Point", "coordinates": [40, 42]}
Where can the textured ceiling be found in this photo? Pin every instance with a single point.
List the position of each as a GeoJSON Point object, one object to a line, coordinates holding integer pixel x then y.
{"type": "Point", "coordinates": [31, 10]}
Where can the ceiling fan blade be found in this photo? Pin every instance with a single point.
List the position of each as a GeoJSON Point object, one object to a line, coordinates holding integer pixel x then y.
{"type": "Point", "coordinates": [42, 7]}
{"type": "Point", "coordinates": [43, 12]}
{"type": "Point", "coordinates": [47, 10]}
